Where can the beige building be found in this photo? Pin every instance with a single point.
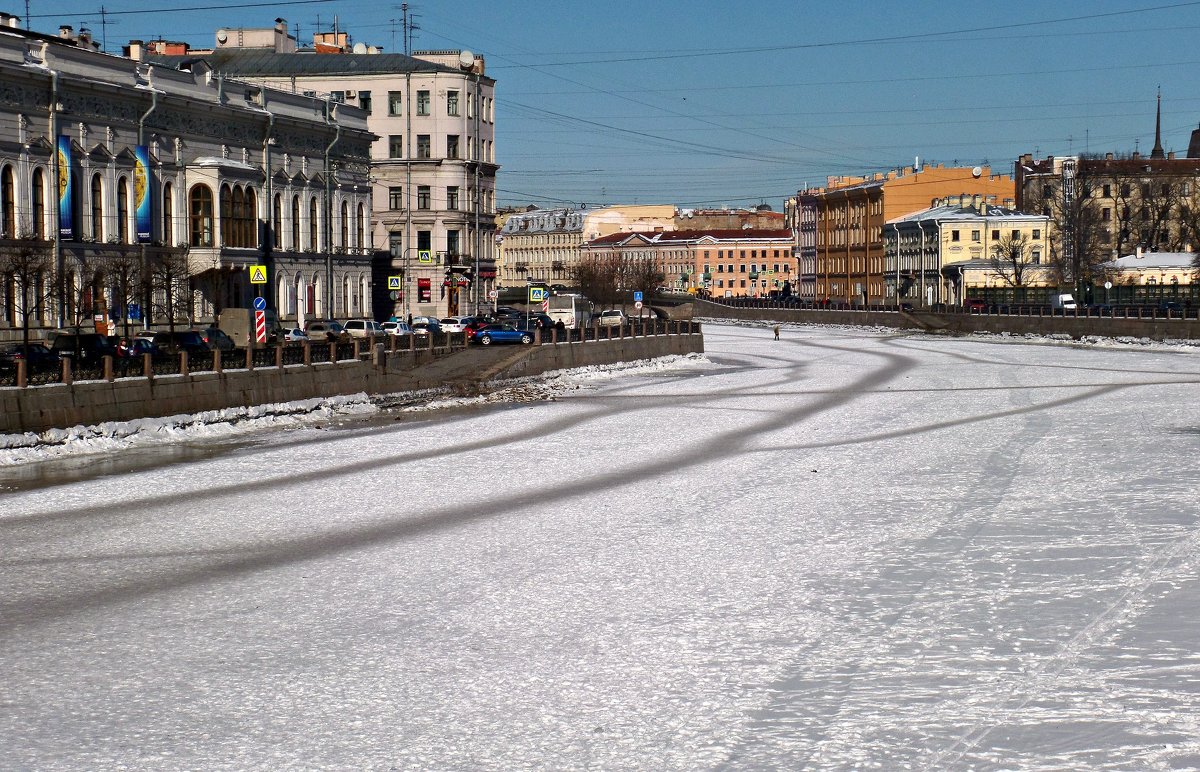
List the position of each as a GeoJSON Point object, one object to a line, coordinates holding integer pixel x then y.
{"type": "Point", "coordinates": [433, 162]}
{"type": "Point", "coordinates": [1153, 269]}
{"type": "Point", "coordinates": [940, 254]}
{"type": "Point", "coordinates": [544, 245]}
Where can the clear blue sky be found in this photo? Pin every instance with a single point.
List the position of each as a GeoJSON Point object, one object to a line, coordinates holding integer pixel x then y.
{"type": "Point", "coordinates": [708, 103]}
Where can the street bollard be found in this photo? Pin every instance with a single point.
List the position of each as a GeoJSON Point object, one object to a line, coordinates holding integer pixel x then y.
{"type": "Point", "coordinates": [147, 366]}
{"type": "Point", "coordinates": [108, 368]}
{"type": "Point", "coordinates": [183, 363]}
{"type": "Point", "coordinates": [67, 375]}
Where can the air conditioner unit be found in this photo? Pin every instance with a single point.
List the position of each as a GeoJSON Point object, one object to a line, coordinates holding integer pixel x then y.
{"type": "Point", "coordinates": [352, 95]}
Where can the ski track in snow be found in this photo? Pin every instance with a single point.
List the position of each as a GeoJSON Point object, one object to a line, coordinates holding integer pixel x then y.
{"type": "Point", "coordinates": [849, 549]}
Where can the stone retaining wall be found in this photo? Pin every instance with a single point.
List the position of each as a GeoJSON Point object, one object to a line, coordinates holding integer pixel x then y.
{"type": "Point", "coordinates": [37, 408]}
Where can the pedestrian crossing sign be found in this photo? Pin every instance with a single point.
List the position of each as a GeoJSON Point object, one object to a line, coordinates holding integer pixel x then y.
{"type": "Point", "coordinates": [537, 294]}
{"type": "Point", "coordinates": [258, 274]}
{"type": "Point", "coordinates": [425, 255]}
{"type": "Point", "coordinates": [394, 282]}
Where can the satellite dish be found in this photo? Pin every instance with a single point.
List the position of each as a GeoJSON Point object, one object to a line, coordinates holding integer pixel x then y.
{"type": "Point", "coordinates": [977, 171]}
{"type": "Point", "coordinates": [360, 48]}
{"type": "Point", "coordinates": [466, 59]}
{"type": "Point", "coordinates": [222, 35]}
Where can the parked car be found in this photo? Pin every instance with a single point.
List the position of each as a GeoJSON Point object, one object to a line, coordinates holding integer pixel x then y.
{"type": "Point", "coordinates": [455, 323]}
{"type": "Point", "coordinates": [38, 357]}
{"type": "Point", "coordinates": [611, 318]}
{"type": "Point", "coordinates": [425, 325]}
{"type": "Point", "coordinates": [86, 349]}
{"type": "Point", "coordinates": [974, 305]}
{"type": "Point", "coordinates": [502, 333]}
{"type": "Point", "coordinates": [190, 341]}
{"type": "Point", "coordinates": [363, 328]}
{"type": "Point", "coordinates": [323, 330]}
{"type": "Point", "coordinates": [396, 328]}
{"type": "Point", "coordinates": [291, 335]}
{"type": "Point", "coordinates": [217, 340]}
{"type": "Point", "coordinates": [477, 324]}
{"type": "Point", "coordinates": [1171, 308]}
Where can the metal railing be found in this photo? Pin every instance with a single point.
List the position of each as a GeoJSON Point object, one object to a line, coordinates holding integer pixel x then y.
{"type": "Point", "coordinates": [1094, 311]}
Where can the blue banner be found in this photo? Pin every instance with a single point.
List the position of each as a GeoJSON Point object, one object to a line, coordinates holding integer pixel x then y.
{"type": "Point", "coordinates": [141, 193]}
{"type": "Point", "coordinates": [66, 212]}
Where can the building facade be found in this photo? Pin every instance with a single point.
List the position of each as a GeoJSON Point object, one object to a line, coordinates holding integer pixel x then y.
{"type": "Point", "coordinates": [850, 217]}
{"type": "Point", "coordinates": [433, 162]}
{"type": "Point", "coordinates": [725, 263]}
{"type": "Point", "coordinates": [938, 255]}
{"type": "Point", "coordinates": [171, 185]}
{"type": "Point", "coordinates": [545, 245]}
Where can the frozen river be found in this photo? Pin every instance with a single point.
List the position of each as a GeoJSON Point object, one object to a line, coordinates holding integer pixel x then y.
{"type": "Point", "coordinates": [842, 550]}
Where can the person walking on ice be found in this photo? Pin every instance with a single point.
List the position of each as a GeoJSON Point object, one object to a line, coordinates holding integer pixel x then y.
{"type": "Point", "coordinates": [775, 329]}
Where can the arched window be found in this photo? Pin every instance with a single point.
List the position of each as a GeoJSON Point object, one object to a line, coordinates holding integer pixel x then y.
{"type": "Point", "coordinates": [8, 204]}
{"type": "Point", "coordinates": [250, 219]}
{"type": "Point", "coordinates": [37, 189]}
{"type": "Point", "coordinates": [361, 226]}
{"type": "Point", "coordinates": [295, 245]}
{"type": "Point", "coordinates": [97, 208]}
{"type": "Point", "coordinates": [227, 225]}
{"type": "Point", "coordinates": [200, 216]}
{"type": "Point", "coordinates": [312, 224]}
{"type": "Point", "coordinates": [347, 306]}
{"type": "Point", "coordinates": [345, 225]}
{"type": "Point", "coordinates": [123, 210]}
{"type": "Point", "coordinates": [168, 215]}
{"type": "Point", "coordinates": [277, 222]}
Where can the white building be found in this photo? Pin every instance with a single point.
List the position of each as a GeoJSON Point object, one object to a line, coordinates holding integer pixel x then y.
{"type": "Point", "coordinates": [166, 167]}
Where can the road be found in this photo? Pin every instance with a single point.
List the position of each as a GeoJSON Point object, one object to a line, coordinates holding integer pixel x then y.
{"type": "Point", "coordinates": [847, 549]}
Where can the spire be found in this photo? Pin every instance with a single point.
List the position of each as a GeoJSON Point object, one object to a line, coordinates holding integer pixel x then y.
{"type": "Point", "coordinates": [1157, 152]}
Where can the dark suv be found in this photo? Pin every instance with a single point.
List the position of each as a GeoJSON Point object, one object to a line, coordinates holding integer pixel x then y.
{"type": "Point", "coordinates": [86, 349]}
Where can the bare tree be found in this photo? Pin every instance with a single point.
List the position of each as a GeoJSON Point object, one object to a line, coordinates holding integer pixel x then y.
{"type": "Point", "coordinates": [124, 272]}
{"type": "Point", "coordinates": [1080, 243]}
{"type": "Point", "coordinates": [170, 283]}
{"type": "Point", "coordinates": [1010, 259]}
{"type": "Point", "coordinates": [611, 280]}
{"type": "Point", "coordinates": [27, 265]}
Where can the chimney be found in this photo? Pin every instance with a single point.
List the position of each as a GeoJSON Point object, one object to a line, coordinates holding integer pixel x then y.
{"type": "Point", "coordinates": [1136, 155]}
{"type": "Point", "coordinates": [1171, 155]}
{"type": "Point", "coordinates": [135, 51]}
{"type": "Point", "coordinates": [65, 32]}
{"type": "Point", "coordinates": [1108, 156]}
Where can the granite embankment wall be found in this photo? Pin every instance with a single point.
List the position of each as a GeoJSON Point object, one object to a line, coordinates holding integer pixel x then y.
{"type": "Point", "coordinates": [959, 323]}
{"type": "Point", "coordinates": [38, 408]}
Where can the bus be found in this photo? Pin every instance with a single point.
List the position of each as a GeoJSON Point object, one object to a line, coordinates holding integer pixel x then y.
{"type": "Point", "coordinates": [573, 311]}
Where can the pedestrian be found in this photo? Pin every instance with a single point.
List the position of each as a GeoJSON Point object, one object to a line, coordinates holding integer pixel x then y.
{"type": "Point", "coordinates": [776, 331]}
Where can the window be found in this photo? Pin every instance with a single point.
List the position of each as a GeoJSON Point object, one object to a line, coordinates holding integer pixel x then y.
{"type": "Point", "coordinates": [422, 197]}
{"type": "Point", "coordinates": [423, 146]}
{"type": "Point", "coordinates": [395, 198]}
{"type": "Point", "coordinates": [337, 96]}
{"type": "Point", "coordinates": [98, 211]}
{"type": "Point", "coordinates": [123, 210]}
{"type": "Point", "coordinates": [239, 217]}
{"type": "Point", "coordinates": [452, 197]}
{"type": "Point", "coordinates": [974, 235]}
{"type": "Point", "coordinates": [995, 235]}
{"type": "Point", "coordinates": [452, 242]}
{"type": "Point", "coordinates": [8, 204]}
{"type": "Point", "coordinates": [395, 103]}
{"type": "Point", "coordinates": [345, 223]}
{"type": "Point", "coordinates": [200, 216]}
{"type": "Point", "coordinates": [395, 146]}
{"type": "Point", "coordinates": [1016, 235]}
{"type": "Point", "coordinates": [451, 103]}
{"type": "Point", "coordinates": [1108, 191]}
{"type": "Point", "coordinates": [1037, 234]}
{"type": "Point", "coordinates": [1166, 189]}
{"type": "Point", "coordinates": [38, 196]}
{"type": "Point", "coordinates": [954, 235]}
{"type": "Point", "coordinates": [1125, 190]}
{"type": "Point", "coordinates": [277, 221]}
{"type": "Point", "coordinates": [312, 224]}
{"type": "Point", "coordinates": [360, 231]}
{"type": "Point", "coordinates": [364, 101]}
{"type": "Point", "coordinates": [452, 146]}
{"type": "Point", "coordinates": [168, 212]}
{"type": "Point", "coordinates": [422, 103]}
{"type": "Point", "coordinates": [295, 245]}
{"type": "Point", "coordinates": [1047, 191]}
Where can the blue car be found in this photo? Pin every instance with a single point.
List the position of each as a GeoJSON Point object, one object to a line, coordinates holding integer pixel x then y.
{"type": "Point", "coordinates": [502, 333]}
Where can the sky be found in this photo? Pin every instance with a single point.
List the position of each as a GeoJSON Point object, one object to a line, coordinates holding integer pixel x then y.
{"type": "Point", "coordinates": [851, 548]}
{"type": "Point", "coordinates": [708, 104]}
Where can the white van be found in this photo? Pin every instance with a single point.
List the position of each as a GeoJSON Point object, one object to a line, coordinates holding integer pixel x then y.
{"type": "Point", "coordinates": [1063, 301]}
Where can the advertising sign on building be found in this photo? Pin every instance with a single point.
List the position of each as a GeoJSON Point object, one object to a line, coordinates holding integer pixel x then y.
{"type": "Point", "coordinates": [424, 291]}
{"type": "Point", "coordinates": [141, 192]}
{"type": "Point", "coordinates": [66, 219]}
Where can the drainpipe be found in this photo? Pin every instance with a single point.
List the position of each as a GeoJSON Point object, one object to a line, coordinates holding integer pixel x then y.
{"type": "Point", "coordinates": [329, 110]}
{"type": "Point", "coordinates": [59, 259]}
{"type": "Point", "coordinates": [897, 227]}
{"type": "Point", "coordinates": [269, 209]}
{"type": "Point", "coordinates": [147, 290]}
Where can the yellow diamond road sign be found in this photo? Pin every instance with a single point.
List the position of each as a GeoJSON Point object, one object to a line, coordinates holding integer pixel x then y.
{"type": "Point", "coordinates": [393, 282]}
{"type": "Point", "coordinates": [258, 274]}
{"type": "Point", "coordinates": [425, 255]}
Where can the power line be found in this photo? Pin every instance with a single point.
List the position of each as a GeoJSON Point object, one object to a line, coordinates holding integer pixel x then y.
{"type": "Point", "coordinates": [177, 9]}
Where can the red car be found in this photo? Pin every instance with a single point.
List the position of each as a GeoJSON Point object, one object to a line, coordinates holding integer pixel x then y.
{"type": "Point", "coordinates": [974, 305]}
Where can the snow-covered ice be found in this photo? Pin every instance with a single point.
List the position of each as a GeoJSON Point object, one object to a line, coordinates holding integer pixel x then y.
{"type": "Point", "coordinates": [847, 549]}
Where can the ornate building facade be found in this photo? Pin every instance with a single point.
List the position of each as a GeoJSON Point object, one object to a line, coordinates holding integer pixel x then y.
{"type": "Point", "coordinates": [171, 185]}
